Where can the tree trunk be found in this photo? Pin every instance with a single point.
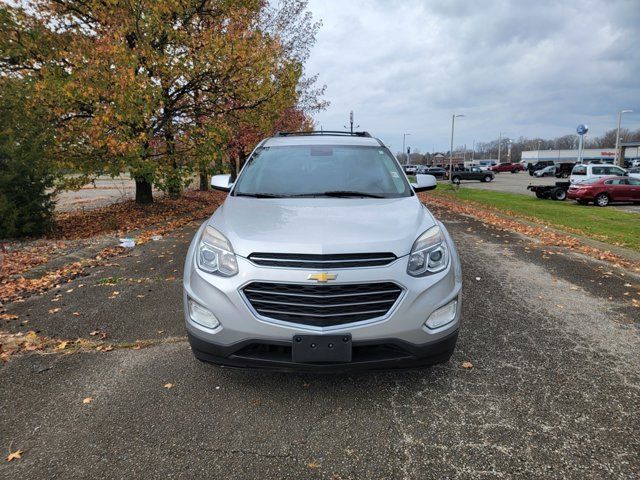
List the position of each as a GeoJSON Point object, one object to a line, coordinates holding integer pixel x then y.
{"type": "Point", "coordinates": [204, 181]}
{"type": "Point", "coordinates": [144, 194]}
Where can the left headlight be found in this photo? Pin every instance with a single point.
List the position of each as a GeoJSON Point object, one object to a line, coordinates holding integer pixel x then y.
{"type": "Point", "coordinates": [429, 254]}
{"type": "Point", "coordinates": [215, 254]}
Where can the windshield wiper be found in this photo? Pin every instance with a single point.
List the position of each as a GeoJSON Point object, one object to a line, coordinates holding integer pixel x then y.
{"type": "Point", "coordinates": [350, 193]}
{"type": "Point", "coordinates": [261, 195]}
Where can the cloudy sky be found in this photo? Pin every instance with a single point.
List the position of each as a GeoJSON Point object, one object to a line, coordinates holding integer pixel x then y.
{"type": "Point", "coordinates": [531, 68]}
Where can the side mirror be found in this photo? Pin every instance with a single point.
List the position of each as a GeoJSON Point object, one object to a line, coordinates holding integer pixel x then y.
{"type": "Point", "coordinates": [424, 183]}
{"type": "Point", "coordinates": [221, 182]}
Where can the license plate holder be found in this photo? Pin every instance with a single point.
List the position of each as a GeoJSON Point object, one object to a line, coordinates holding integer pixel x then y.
{"type": "Point", "coordinates": [321, 348]}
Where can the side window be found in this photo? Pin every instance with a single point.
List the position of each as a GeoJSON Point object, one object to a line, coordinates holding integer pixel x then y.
{"type": "Point", "coordinates": [599, 171]}
{"type": "Point", "coordinates": [616, 171]}
{"type": "Point", "coordinates": [634, 181]}
{"type": "Point", "coordinates": [579, 170]}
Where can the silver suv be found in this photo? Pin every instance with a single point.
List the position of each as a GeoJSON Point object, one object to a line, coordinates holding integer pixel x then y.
{"type": "Point", "coordinates": [322, 258]}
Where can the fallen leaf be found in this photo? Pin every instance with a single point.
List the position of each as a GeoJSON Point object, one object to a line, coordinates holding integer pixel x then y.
{"type": "Point", "coordinates": [87, 400]}
{"type": "Point", "coordinates": [467, 365]}
{"type": "Point", "coordinates": [313, 465]}
{"type": "Point", "coordinates": [62, 345]}
{"type": "Point", "coordinates": [14, 455]}
{"type": "Point", "coordinates": [478, 279]}
{"type": "Point", "coordinates": [54, 310]}
{"type": "Point", "coordinates": [76, 314]}
{"type": "Point", "coordinates": [168, 385]}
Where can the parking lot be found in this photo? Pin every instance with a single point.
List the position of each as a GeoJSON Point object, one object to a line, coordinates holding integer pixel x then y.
{"type": "Point", "coordinates": [553, 391]}
{"type": "Point", "coordinates": [517, 183]}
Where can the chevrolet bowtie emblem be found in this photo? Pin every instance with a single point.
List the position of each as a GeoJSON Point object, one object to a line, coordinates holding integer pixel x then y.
{"type": "Point", "coordinates": [322, 277]}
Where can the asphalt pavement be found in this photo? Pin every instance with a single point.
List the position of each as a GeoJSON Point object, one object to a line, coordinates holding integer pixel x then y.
{"type": "Point", "coordinates": [554, 391]}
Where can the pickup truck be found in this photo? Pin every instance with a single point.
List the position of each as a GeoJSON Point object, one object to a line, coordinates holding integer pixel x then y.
{"type": "Point", "coordinates": [508, 167]}
{"type": "Point", "coordinates": [473, 173]}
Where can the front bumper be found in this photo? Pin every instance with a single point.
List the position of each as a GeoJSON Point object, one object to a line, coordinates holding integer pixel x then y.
{"type": "Point", "coordinates": [398, 339]}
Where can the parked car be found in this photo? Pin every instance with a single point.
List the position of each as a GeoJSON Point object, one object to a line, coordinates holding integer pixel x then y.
{"type": "Point", "coordinates": [634, 172]}
{"type": "Point", "coordinates": [539, 165]}
{"type": "Point", "coordinates": [410, 169]}
{"type": "Point", "coordinates": [473, 173]}
{"type": "Point", "coordinates": [635, 163]}
{"type": "Point", "coordinates": [438, 172]}
{"type": "Point", "coordinates": [603, 191]}
{"type": "Point", "coordinates": [507, 167]}
{"type": "Point", "coordinates": [487, 164]}
{"type": "Point", "coordinates": [563, 170]}
{"type": "Point", "coordinates": [582, 172]}
{"type": "Point", "coordinates": [549, 171]}
{"type": "Point", "coordinates": [299, 269]}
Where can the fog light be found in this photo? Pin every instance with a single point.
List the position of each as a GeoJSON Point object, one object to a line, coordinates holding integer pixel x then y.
{"type": "Point", "coordinates": [202, 316]}
{"type": "Point", "coordinates": [442, 316]}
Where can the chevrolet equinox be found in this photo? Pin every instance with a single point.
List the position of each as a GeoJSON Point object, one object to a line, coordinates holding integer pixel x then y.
{"type": "Point", "coordinates": [322, 258]}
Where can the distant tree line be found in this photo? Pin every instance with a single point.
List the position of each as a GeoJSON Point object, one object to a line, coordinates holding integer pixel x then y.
{"type": "Point", "coordinates": [489, 150]}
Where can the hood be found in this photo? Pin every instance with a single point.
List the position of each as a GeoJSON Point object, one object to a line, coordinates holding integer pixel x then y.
{"type": "Point", "coordinates": [322, 225]}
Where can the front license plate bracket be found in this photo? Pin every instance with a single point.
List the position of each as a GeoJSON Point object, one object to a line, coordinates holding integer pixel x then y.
{"type": "Point", "coordinates": [321, 348]}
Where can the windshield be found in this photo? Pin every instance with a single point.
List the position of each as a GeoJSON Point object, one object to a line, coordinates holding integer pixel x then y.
{"type": "Point", "coordinates": [322, 170]}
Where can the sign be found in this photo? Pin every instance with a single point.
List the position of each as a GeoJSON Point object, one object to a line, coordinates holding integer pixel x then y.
{"type": "Point", "coordinates": [582, 129]}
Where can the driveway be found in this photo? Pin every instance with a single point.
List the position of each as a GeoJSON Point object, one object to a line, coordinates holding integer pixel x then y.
{"type": "Point", "coordinates": [554, 391]}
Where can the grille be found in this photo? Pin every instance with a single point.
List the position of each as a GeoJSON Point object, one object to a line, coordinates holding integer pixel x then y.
{"type": "Point", "coordinates": [342, 260]}
{"type": "Point", "coordinates": [322, 305]}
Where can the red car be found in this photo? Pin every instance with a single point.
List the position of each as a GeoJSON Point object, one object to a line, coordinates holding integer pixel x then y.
{"type": "Point", "coordinates": [508, 167]}
{"type": "Point", "coordinates": [603, 191]}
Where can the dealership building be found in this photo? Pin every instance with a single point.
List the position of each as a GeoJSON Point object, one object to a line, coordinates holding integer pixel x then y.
{"type": "Point", "coordinates": [603, 155]}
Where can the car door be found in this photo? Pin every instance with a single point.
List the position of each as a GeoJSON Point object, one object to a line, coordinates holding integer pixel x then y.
{"type": "Point", "coordinates": [634, 189]}
{"type": "Point", "coordinates": [618, 189]}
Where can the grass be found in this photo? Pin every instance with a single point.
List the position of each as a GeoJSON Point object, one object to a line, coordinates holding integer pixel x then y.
{"type": "Point", "coordinates": [606, 224]}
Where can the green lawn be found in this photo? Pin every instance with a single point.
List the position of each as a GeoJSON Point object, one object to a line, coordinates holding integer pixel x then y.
{"type": "Point", "coordinates": [605, 224]}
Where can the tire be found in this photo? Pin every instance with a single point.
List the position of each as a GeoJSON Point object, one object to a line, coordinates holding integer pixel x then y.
{"type": "Point", "coordinates": [559, 194]}
{"type": "Point", "coordinates": [455, 180]}
{"type": "Point", "coordinates": [540, 195]}
{"type": "Point", "coordinates": [602, 200]}
{"type": "Point", "coordinates": [487, 178]}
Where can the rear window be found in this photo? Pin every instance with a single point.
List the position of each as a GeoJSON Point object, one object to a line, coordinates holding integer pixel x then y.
{"type": "Point", "coordinates": [579, 170]}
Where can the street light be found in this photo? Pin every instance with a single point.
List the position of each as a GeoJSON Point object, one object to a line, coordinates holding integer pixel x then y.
{"type": "Point", "coordinates": [453, 124]}
{"type": "Point", "coordinates": [404, 137]}
{"type": "Point", "coordinates": [620, 161]}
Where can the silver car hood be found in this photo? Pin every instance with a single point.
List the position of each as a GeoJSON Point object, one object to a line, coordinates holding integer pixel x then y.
{"type": "Point", "coordinates": [321, 225]}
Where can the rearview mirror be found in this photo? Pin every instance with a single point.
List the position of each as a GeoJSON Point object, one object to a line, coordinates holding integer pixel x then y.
{"type": "Point", "coordinates": [221, 182]}
{"type": "Point", "coordinates": [424, 183]}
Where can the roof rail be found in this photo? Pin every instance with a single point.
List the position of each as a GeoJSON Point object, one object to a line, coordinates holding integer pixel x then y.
{"type": "Point", "coordinates": [324, 132]}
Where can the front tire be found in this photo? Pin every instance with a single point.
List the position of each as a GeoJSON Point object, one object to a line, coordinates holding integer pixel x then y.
{"type": "Point", "coordinates": [487, 178]}
{"type": "Point", "coordinates": [602, 200]}
{"type": "Point", "coordinates": [455, 180]}
{"type": "Point", "coordinates": [559, 194]}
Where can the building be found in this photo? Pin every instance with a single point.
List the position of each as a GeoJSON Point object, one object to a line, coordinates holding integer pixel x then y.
{"type": "Point", "coordinates": [603, 155]}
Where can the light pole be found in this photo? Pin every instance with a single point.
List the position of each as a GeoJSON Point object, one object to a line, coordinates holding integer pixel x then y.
{"type": "Point", "coordinates": [620, 161]}
{"type": "Point", "coordinates": [404, 152]}
{"type": "Point", "coordinates": [499, 147]}
{"type": "Point", "coordinates": [453, 125]}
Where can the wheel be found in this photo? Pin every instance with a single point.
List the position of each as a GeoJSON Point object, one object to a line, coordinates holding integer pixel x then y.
{"type": "Point", "coordinates": [542, 195]}
{"type": "Point", "coordinates": [602, 200]}
{"type": "Point", "coordinates": [455, 180]}
{"type": "Point", "coordinates": [582, 202]}
{"type": "Point", "coordinates": [559, 194]}
{"type": "Point", "coordinates": [487, 178]}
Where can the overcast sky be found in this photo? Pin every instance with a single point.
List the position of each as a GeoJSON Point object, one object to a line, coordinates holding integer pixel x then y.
{"type": "Point", "coordinates": [531, 68]}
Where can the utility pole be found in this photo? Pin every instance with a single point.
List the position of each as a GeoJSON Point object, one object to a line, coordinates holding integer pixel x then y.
{"type": "Point", "coordinates": [499, 147]}
{"type": "Point", "coordinates": [473, 151]}
{"type": "Point", "coordinates": [453, 125]}
{"type": "Point", "coordinates": [619, 160]}
{"type": "Point", "coordinates": [404, 152]}
{"type": "Point", "coordinates": [351, 122]}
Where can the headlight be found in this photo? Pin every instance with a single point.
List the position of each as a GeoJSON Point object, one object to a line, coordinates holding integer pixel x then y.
{"type": "Point", "coordinates": [429, 253]}
{"type": "Point", "coordinates": [215, 254]}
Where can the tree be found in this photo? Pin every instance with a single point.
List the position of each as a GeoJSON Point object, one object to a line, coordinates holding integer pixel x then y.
{"type": "Point", "coordinates": [149, 87]}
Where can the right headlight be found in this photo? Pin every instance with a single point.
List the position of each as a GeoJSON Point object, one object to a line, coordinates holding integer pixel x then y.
{"type": "Point", "coordinates": [429, 253]}
{"type": "Point", "coordinates": [215, 254]}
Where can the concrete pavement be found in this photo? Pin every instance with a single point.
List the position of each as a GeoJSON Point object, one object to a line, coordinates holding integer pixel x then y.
{"type": "Point", "coordinates": [554, 392]}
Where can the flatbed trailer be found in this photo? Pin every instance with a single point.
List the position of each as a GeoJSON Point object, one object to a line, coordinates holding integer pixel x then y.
{"type": "Point", "coordinates": [553, 192]}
